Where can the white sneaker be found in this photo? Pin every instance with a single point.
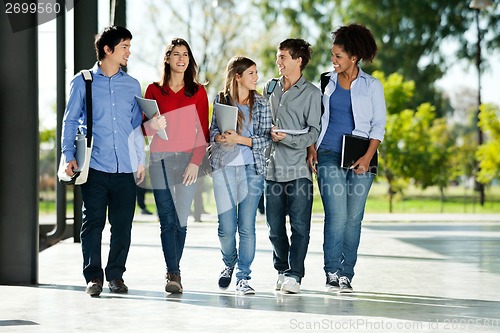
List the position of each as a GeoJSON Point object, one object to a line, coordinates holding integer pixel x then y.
{"type": "Point", "coordinates": [279, 282]}
{"type": "Point", "coordinates": [243, 288]}
{"type": "Point", "coordinates": [290, 285]}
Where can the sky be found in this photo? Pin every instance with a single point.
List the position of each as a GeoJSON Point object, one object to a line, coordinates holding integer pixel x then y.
{"type": "Point", "coordinates": [461, 75]}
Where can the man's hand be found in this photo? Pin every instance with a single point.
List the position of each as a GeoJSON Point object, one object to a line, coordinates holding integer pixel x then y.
{"type": "Point", "coordinates": [70, 167]}
{"type": "Point", "coordinates": [277, 136]}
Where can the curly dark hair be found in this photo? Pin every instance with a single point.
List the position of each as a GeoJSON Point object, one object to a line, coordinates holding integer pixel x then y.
{"type": "Point", "coordinates": [356, 40]}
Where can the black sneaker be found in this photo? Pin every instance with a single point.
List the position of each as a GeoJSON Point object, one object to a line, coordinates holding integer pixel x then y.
{"type": "Point", "coordinates": [225, 277]}
{"type": "Point", "coordinates": [94, 287]}
{"type": "Point", "coordinates": [332, 281]}
{"type": "Point", "coordinates": [345, 285]}
{"type": "Point", "coordinates": [117, 286]}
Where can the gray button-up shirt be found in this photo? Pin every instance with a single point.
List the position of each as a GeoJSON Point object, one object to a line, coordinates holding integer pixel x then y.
{"type": "Point", "coordinates": [297, 108]}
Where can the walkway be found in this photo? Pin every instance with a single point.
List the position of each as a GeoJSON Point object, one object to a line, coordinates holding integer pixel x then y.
{"type": "Point", "coordinates": [411, 277]}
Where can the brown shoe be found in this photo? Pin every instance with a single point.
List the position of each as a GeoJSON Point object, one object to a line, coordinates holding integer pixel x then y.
{"type": "Point", "coordinates": [117, 286]}
{"type": "Point", "coordinates": [94, 287]}
{"type": "Point", "coordinates": [173, 283]}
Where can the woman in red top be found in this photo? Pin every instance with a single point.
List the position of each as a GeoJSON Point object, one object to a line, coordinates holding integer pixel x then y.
{"type": "Point", "coordinates": [174, 162]}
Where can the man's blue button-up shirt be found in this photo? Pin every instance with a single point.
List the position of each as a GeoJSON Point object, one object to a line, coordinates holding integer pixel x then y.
{"type": "Point", "coordinates": [118, 142]}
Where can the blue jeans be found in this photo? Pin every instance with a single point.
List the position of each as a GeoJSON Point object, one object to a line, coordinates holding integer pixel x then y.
{"type": "Point", "coordinates": [344, 196]}
{"type": "Point", "coordinates": [237, 191]}
{"type": "Point", "coordinates": [114, 192]}
{"type": "Point", "coordinates": [295, 199]}
{"type": "Point", "coordinates": [173, 203]}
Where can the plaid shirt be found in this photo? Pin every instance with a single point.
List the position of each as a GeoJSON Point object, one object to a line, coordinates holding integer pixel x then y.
{"type": "Point", "coordinates": [262, 120]}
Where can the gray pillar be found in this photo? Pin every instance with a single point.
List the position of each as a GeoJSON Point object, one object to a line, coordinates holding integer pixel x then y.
{"type": "Point", "coordinates": [19, 154]}
{"type": "Point", "coordinates": [85, 57]}
{"type": "Point", "coordinates": [120, 13]}
{"type": "Point", "coordinates": [58, 233]}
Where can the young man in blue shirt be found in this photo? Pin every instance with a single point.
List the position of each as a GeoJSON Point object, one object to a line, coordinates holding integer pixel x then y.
{"type": "Point", "coordinates": [117, 154]}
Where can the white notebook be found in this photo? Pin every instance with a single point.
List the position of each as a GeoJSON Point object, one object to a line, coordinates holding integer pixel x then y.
{"type": "Point", "coordinates": [227, 117]}
{"type": "Point", "coordinates": [150, 109]}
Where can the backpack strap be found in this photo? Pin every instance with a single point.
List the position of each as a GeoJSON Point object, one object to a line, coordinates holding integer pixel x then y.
{"type": "Point", "coordinates": [87, 77]}
{"type": "Point", "coordinates": [323, 83]}
{"type": "Point", "coordinates": [271, 87]}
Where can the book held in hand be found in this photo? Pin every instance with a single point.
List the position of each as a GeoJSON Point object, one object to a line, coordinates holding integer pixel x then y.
{"type": "Point", "coordinates": [291, 131]}
{"type": "Point", "coordinates": [227, 117]}
{"type": "Point", "coordinates": [354, 147]}
{"type": "Point", "coordinates": [150, 108]}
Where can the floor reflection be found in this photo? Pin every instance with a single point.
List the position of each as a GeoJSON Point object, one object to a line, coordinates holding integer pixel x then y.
{"type": "Point", "coordinates": [394, 306]}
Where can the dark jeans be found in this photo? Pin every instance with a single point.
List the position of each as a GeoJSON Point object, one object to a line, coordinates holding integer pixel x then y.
{"type": "Point", "coordinates": [295, 198]}
{"type": "Point", "coordinates": [114, 192]}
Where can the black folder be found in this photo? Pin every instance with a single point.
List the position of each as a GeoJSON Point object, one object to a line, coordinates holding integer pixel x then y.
{"type": "Point", "coordinates": [353, 147]}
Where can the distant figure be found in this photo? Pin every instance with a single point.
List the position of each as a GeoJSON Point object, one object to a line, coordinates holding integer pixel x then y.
{"type": "Point", "coordinates": [111, 186]}
{"type": "Point", "coordinates": [141, 200]}
{"type": "Point", "coordinates": [262, 209]}
{"type": "Point", "coordinates": [198, 207]}
{"type": "Point", "coordinates": [354, 104]}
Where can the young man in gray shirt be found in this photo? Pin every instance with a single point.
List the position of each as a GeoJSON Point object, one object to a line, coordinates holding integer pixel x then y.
{"type": "Point", "coordinates": [295, 105]}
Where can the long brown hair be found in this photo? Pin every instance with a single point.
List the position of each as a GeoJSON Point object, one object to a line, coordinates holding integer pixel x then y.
{"type": "Point", "coordinates": [237, 65]}
{"type": "Point", "coordinates": [191, 83]}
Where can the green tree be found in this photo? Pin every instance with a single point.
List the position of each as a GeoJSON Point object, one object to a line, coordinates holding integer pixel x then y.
{"type": "Point", "coordinates": [392, 158]}
{"type": "Point", "coordinates": [487, 154]}
{"type": "Point", "coordinates": [311, 20]}
{"type": "Point", "coordinates": [398, 94]}
{"type": "Point", "coordinates": [412, 35]}
{"type": "Point", "coordinates": [214, 31]}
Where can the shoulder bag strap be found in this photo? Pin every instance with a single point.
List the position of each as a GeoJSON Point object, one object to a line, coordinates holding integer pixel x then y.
{"type": "Point", "coordinates": [87, 76]}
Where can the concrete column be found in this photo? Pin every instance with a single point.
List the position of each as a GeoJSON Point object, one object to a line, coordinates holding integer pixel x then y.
{"type": "Point", "coordinates": [19, 142]}
{"type": "Point", "coordinates": [85, 57]}
{"type": "Point", "coordinates": [120, 14]}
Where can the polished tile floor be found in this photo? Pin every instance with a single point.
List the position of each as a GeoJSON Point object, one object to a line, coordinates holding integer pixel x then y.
{"type": "Point", "coordinates": [420, 275]}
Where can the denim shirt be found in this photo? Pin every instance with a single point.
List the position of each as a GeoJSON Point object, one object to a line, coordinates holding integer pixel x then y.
{"type": "Point", "coordinates": [368, 106]}
{"type": "Point", "coordinates": [118, 142]}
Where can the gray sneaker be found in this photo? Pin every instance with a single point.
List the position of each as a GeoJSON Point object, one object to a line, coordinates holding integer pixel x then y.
{"type": "Point", "coordinates": [94, 287]}
{"type": "Point", "coordinates": [345, 285]}
{"type": "Point", "coordinates": [332, 281]}
{"type": "Point", "coordinates": [243, 288]}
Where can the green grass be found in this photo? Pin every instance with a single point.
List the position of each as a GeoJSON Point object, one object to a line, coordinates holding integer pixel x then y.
{"type": "Point", "coordinates": [415, 201]}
